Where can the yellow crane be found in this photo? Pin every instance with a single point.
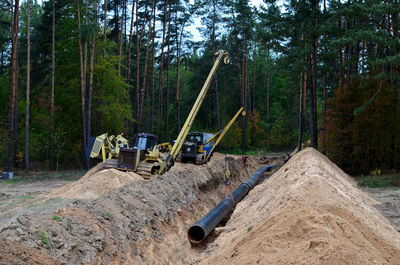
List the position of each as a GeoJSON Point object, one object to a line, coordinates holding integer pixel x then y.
{"type": "Point", "coordinates": [199, 146]}
{"type": "Point", "coordinates": [170, 160]}
{"type": "Point", "coordinates": [144, 158]}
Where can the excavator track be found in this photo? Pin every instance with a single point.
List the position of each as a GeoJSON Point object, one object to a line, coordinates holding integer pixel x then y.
{"type": "Point", "coordinates": [144, 169]}
{"type": "Point", "coordinates": [199, 159]}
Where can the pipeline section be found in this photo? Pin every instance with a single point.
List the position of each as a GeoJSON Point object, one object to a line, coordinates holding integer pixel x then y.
{"type": "Point", "coordinates": [199, 231]}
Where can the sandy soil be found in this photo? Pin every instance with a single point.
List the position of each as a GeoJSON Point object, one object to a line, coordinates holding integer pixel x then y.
{"type": "Point", "coordinates": [141, 222]}
{"type": "Point", "coordinates": [94, 183]}
{"type": "Point", "coordinates": [309, 212]}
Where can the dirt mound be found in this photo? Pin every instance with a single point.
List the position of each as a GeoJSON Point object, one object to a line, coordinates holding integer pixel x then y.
{"type": "Point", "coordinates": [142, 222]}
{"type": "Point", "coordinates": [95, 183]}
{"type": "Point", "coordinates": [308, 212]}
{"type": "Point", "coordinates": [15, 253]}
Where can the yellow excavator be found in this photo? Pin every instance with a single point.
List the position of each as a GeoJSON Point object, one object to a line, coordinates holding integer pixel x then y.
{"type": "Point", "coordinates": [144, 157]}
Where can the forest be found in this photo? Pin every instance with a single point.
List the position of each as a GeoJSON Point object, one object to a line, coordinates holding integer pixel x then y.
{"type": "Point", "coordinates": [306, 71]}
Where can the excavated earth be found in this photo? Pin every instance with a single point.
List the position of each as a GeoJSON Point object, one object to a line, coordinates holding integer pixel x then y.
{"type": "Point", "coordinates": [113, 217]}
{"type": "Point", "coordinates": [308, 212]}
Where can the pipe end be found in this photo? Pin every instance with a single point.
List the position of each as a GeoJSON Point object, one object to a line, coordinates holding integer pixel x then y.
{"type": "Point", "coordinates": [196, 234]}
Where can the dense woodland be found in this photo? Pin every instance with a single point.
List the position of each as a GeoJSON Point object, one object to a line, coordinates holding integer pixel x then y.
{"type": "Point", "coordinates": [327, 71]}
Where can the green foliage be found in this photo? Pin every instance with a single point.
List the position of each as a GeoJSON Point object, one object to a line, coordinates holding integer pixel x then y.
{"type": "Point", "coordinates": [57, 218]}
{"type": "Point", "coordinates": [42, 236]}
{"type": "Point", "coordinates": [379, 181]}
{"type": "Point", "coordinates": [360, 143]}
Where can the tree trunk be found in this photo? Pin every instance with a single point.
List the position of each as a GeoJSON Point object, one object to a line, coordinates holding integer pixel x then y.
{"type": "Point", "coordinates": [144, 85]}
{"type": "Point", "coordinates": [168, 54]}
{"type": "Point", "coordinates": [53, 40]}
{"type": "Point", "coordinates": [268, 68]}
{"type": "Point", "coordinates": [105, 29]}
{"type": "Point", "coordinates": [178, 107]}
{"type": "Point", "coordinates": [254, 78]}
{"type": "Point", "coordinates": [128, 73]}
{"type": "Point", "coordinates": [216, 75]}
{"type": "Point", "coordinates": [138, 53]}
{"type": "Point", "coordinates": [91, 66]}
{"type": "Point", "coordinates": [83, 86]}
{"type": "Point", "coordinates": [151, 118]}
{"type": "Point", "coordinates": [28, 82]}
{"type": "Point", "coordinates": [313, 90]}
{"type": "Point", "coordinates": [160, 81]}
{"type": "Point", "coordinates": [323, 140]}
{"type": "Point", "coordinates": [301, 115]}
{"type": "Point", "coordinates": [12, 108]}
{"type": "Point", "coordinates": [120, 38]}
{"type": "Point", "coordinates": [243, 97]}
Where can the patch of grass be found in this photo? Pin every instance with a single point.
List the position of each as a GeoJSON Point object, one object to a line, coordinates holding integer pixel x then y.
{"type": "Point", "coordinates": [15, 180]}
{"type": "Point", "coordinates": [57, 218]}
{"type": "Point", "coordinates": [25, 197]}
{"type": "Point", "coordinates": [379, 181]}
{"type": "Point", "coordinates": [106, 215]}
{"type": "Point", "coordinates": [249, 228]}
{"type": "Point", "coordinates": [69, 226]}
{"type": "Point", "coordinates": [46, 203]}
{"type": "Point", "coordinates": [42, 236]}
{"type": "Point", "coordinates": [233, 254]}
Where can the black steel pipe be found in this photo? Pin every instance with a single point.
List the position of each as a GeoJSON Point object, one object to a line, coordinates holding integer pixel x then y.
{"type": "Point", "coordinates": [198, 232]}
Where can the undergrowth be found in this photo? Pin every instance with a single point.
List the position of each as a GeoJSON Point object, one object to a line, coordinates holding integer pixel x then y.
{"type": "Point", "coordinates": [379, 181]}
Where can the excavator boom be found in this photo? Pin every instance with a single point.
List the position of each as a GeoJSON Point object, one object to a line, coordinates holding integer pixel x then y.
{"type": "Point", "coordinates": [169, 161]}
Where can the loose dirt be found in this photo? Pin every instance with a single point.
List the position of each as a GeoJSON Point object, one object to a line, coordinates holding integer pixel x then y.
{"type": "Point", "coordinates": [141, 222]}
{"type": "Point", "coordinates": [390, 202]}
{"type": "Point", "coordinates": [15, 253]}
{"type": "Point", "coordinates": [308, 212]}
{"type": "Point", "coordinates": [95, 183]}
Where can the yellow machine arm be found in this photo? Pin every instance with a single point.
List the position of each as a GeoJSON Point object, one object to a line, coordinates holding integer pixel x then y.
{"type": "Point", "coordinates": [169, 161]}
{"type": "Point", "coordinates": [222, 133]}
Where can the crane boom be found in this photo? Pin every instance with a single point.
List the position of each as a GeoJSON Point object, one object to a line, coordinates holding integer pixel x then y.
{"type": "Point", "coordinates": [222, 133]}
{"type": "Point", "coordinates": [169, 161]}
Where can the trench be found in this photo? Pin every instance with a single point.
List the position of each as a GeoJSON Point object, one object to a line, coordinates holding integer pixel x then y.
{"type": "Point", "coordinates": [143, 222]}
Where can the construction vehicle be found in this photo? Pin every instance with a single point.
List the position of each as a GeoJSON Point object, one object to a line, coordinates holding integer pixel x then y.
{"type": "Point", "coordinates": [144, 158]}
{"type": "Point", "coordinates": [199, 146]}
{"type": "Point", "coordinates": [106, 148]}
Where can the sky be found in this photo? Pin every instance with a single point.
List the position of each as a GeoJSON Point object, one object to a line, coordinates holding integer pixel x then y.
{"type": "Point", "coordinates": [197, 21]}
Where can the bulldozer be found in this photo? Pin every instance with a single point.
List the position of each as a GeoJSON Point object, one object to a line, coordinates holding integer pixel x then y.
{"type": "Point", "coordinates": [144, 157]}
{"type": "Point", "coordinates": [199, 146]}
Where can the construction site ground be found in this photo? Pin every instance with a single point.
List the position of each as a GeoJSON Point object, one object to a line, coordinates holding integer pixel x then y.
{"type": "Point", "coordinates": [308, 212]}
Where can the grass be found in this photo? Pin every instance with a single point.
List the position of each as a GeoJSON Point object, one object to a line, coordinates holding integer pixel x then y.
{"type": "Point", "coordinates": [70, 175]}
{"type": "Point", "coordinates": [57, 218]}
{"type": "Point", "coordinates": [42, 236]}
{"type": "Point", "coordinates": [389, 180]}
{"type": "Point", "coordinates": [249, 228]}
{"type": "Point", "coordinates": [69, 226]}
{"type": "Point", "coordinates": [25, 197]}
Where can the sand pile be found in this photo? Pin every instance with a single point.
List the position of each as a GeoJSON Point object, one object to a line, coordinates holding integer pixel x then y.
{"type": "Point", "coordinates": [95, 183]}
{"type": "Point", "coordinates": [308, 212]}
